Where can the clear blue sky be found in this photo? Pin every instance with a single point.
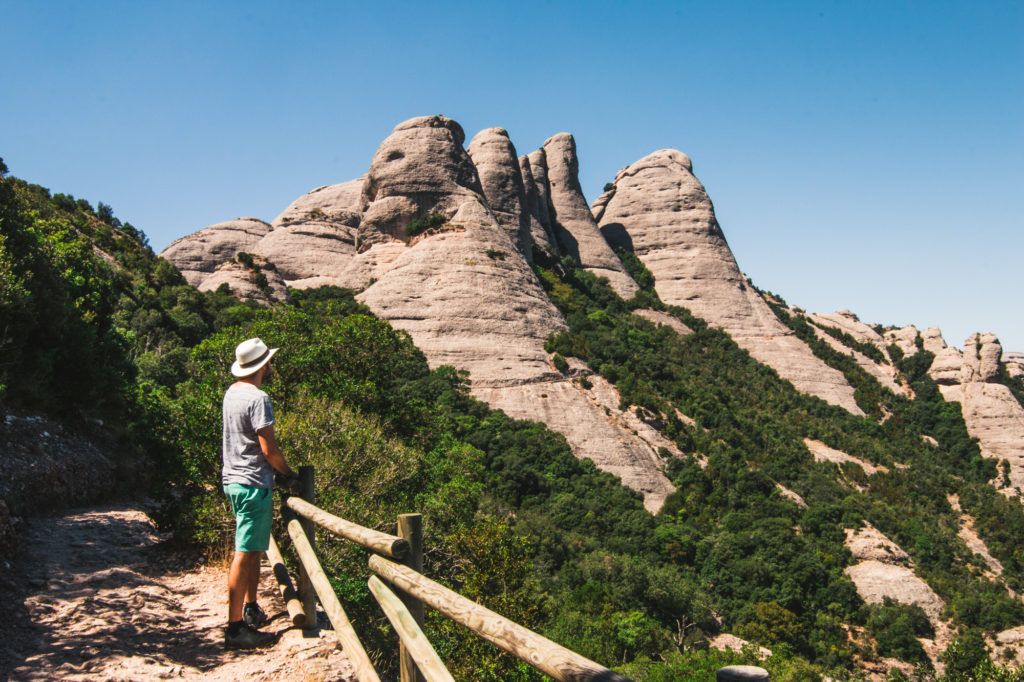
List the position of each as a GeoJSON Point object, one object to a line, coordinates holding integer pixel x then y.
{"type": "Point", "coordinates": [865, 155]}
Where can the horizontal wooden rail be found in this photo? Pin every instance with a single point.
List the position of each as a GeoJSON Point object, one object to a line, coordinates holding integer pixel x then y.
{"type": "Point", "coordinates": [540, 652]}
{"type": "Point", "coordinates": [342, 627]}
{"type": "Point", "coordinates": [288, 593]}
{"type": "Point", "coordinates": [416, 643]}
{"type": "Point", "coordinates": [373, 540]}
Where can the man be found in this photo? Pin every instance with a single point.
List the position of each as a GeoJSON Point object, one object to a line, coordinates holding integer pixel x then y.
{"type": "Point", "coordinates": [251, 456]}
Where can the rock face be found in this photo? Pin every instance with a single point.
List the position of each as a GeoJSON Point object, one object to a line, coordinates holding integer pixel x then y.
{"type": "Point", "coordinates": [605, 438]}
{"type": "Point", "coordinates": [991, 412]}
{"type": "Point", "coordinates": [463, 288]}
{"type": "Point", "coordinates": [945, 369]}
{"type": "Point", "coordinates": [468, 298]}
{"type": "Point", "coordinates": [905, 338]}
{"type": "Point", "coordinates": [868, 543]}
{"type": "Point", "coordinates": [660, 211]}
{"type": "Point", "coordinates": [846, 321]}
{"type": "Point", "coordinates": [823, 453]}
{"type": "Point", "coordinates": [47, 467]}
{"type": "Point", "coordinates": [242, 281]}
{"type": "Point", "coordinates": [885, 570]}
{"type": "Point", "coordinates": [495, 159]}
{"type": "Point", "coordinates": [534, 206]}
{"type": "Point", "coordinates": [575, 228]}
{"type": "Point", "coordinates": [884, 373]}
{"type": "Point", "coordinates": [933, 341]}
{"type": "Point", "coordinates": [464, 292]}
{"type": "Point", "coordinates": [981, 358]}
{"type": "Point", "coordinates": [1014, 363]}
{"type": "Point", "coordinates": [199, 254]}
{"type": "Point", "coordinates": [421, 169]}
{"type": "Point", "coordinates": [314, 239]}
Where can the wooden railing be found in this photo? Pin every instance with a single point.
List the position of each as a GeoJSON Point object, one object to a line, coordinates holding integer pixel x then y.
{"type": "Point", "coordinates": [418, 660]}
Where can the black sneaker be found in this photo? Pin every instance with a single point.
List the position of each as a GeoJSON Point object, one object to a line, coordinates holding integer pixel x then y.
{"type": "Point", "coordinates": [247, 638]}
{"type": "Point", "coordinates": [254, 616]}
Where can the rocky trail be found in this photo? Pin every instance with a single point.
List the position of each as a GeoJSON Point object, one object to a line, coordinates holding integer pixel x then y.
{"type": "Point", "coordinates": [95, 594]}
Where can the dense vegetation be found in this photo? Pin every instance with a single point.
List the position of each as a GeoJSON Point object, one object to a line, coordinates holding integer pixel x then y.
{"type": "Point", "coordinates": [93, 325]}
{"type": "Point", "coordinates": [775, 571]}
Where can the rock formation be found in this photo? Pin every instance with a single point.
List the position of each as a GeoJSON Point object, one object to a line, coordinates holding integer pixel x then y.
{"type": "Point", "coordinates": [440, 240]}
{"type": "Point", "coordinates": [314, 239]}
{"type": "Point", "coordinates": [660, 211]}
{"type": "Point", "coordinates": [884, 373]}
{"type": "Point", "coordinates": [199, 254]}
{"type": "Point", "coordinates": [846, 321]}
{"type": "Point", "coordinates": [905, 338]}
{"type": "Point", "coordinates": [823, 453]}
{"type": "Point", "coordinates": [468, 298]}
{"type": "Point", "coordinates": [883, 570]}
{"type": "Point", "coordinates": [242, 280]}
{"type": "Point", "coordinates": [574, 226]}
{"type": "Point", "coordinates": [991, 412]}
{"type": "Point", "coordinates": [536, 207]}
{"type": "Point", "coordinates": [420, 169]}
{"type": "Point", "coordinates": [933, 341]}
{"type": "Point", "coordinates": [537, 161]}
{"type": "Point", "coordinates": [501, 178]}
{"type": "Point", "coordinates": [1014, 363]}
{"type": "Point", "coordinates": [463, 290]}
{"type": "Point", "coordinates": [593, 426]}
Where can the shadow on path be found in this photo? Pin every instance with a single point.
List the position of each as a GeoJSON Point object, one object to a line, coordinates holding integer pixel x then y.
{"type": "Point", "coordinates": [89, 587]}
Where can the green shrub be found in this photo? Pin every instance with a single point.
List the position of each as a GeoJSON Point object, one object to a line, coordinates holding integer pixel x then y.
{"type": "Point", "coordinates": [423, 223]}
{"type": "Point", "coordinates": [895, 628]}
{"type": "Point", "coordinates": [561, 364]}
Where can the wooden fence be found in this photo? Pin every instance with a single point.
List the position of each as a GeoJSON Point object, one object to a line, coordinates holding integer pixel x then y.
{"type": "Point", "coordinates": [398, 561]}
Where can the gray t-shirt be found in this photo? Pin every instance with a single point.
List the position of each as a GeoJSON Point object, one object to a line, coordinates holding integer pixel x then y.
{"type": "Point", "coordinates": [247, 409]}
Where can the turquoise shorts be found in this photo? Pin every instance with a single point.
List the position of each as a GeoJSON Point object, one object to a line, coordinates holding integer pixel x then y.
{"type": "Point", "coordinates": [254, 510]}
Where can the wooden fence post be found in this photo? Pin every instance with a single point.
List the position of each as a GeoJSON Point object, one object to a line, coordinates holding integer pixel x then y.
{"type": "Point", "coordinates": [343, 630]}
{"type": "Point", "coordinates": [288, 593]}
{"type": "Point", "coordinates": [410, 527]}
{"type": "Point", "coordinates": [307, 593]}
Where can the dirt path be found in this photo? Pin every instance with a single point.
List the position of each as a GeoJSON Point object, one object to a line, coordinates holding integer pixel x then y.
{"type": "Point", "coordinates": [93, 594]}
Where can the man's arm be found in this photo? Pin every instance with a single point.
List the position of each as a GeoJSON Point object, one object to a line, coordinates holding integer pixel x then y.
{"type": "Point", "coordinates": [268, 443]}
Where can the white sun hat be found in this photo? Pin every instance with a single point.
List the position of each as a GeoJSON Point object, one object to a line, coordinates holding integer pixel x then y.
{"type": "Point", "coordinates": [250, 355]}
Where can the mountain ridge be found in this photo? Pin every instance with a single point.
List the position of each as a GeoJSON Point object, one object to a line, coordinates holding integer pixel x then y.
{"type": "Point", "coordinates": [655, 209]}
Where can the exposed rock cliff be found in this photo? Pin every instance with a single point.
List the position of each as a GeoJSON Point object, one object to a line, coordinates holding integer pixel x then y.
{"type": "Point", "coordinates": [498, 165]}
{"type": "Point", "coordinates": [575, 228]}
{"type": "Point", "coordinates": [594, 427]}
{"type": "Point", "coordinates": [462, 287]}
{"type": "Point", "coordinates": [1014, 363]}
{"type": "Point", "coordinates": [991, 412]}
{"type": "Point", "coordinates": [244, 281]}
{"type": "Point", "coordinates": [883, 570]}
{"type": "Point", "coordinates": [933, 341]}
{"type": "Point", "coordinates": [463, 290]}
{"type": "Point", "coordinates": [660, 211]}
{"type": "Point", "coordinates": [905, 338]}
{"type": "Point", "coordinates": [846, 321]}
{"type": "Point", "coordinates": [536, 211]}
{"type": "Point", "coordinates": [884, 373]}
{"type": "Point", "coordinates": [468, 297]}
{"type": "Point", "coordinates": [314, 239]}
{"type": "Point", "coordinates": [199, 254]}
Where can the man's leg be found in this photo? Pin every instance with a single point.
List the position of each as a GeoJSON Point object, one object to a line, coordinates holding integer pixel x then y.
{"type": "Point", "coordinates": [253, 586]}
{"type": "Point", "coordinates": [240, 580]}
{"type": "Point", "coordinates": [253, 509]}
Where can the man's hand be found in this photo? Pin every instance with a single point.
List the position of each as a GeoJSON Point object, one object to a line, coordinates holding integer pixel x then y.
{"type": "Point", "coordinates": [290, 482]}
